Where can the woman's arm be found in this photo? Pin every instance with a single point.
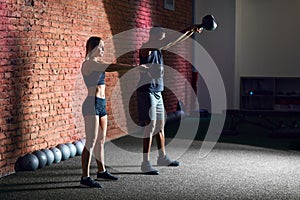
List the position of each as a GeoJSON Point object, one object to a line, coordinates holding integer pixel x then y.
{"type": "Point", "coordinates": [118, 66]}
{"type": "Point", "coordinates": [89, 66]}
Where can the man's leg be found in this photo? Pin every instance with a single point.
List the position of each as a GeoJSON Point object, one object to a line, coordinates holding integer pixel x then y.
{"type": "Point", "coordinates": [160, 138]}
{"type": "Point", "coordinates": [163, 158]}
{"type": "Point", "coordinates": [147, 142]}
{"type": "Point", "coordinates": [147, 148]}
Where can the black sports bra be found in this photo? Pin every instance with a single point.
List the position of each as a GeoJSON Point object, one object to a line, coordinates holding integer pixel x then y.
{"type": "Point", "coordinates": [95, 77]}
{"type": "Point", "coordinates": [102, 79]}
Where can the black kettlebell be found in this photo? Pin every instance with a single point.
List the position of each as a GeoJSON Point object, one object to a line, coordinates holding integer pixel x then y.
{"type": "Point", "coordinates": [208, 23]}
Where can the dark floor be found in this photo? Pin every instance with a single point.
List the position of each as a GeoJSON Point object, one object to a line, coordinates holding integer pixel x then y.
{"type": "Point", "coordinates": [230, 171]}
{"type": "Point", "coordinates": [248, 164]}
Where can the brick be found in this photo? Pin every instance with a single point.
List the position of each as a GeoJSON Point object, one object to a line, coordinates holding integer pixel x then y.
{"type": "Point", "coordinates": [42, 55]}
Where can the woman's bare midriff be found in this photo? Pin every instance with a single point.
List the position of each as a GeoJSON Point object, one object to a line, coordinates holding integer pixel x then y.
{"type": "Point", "coordinates": [100, 91]}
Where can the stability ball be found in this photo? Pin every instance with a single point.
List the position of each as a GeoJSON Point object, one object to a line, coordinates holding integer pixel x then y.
{"type": "Point", "coordinates": [42, 158]}
{"type": "Point", "coordinates": [72, 148]}
{"type": "Point", "coordinates": [57, 154]}
{"type": "Point", "coordinates": [83, 140]}
{"type": "Point", "coordinates": [50, 156]}
{"type": "Point", "coordinates": [65, 151]}
{"type": "Point", "coordinates": [29, 162]}
{"type": "Point", "coordinates": [18, 164]}
{"type": "Point", "coordinates": [79, 146]}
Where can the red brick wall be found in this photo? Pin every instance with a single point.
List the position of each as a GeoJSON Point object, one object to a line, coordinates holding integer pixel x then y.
{"type": "Point", "coordinates": [42, 45]}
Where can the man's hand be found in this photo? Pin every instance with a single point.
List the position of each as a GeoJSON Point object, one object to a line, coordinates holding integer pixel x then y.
{"type": "Point", "coordinates": [197, 28]}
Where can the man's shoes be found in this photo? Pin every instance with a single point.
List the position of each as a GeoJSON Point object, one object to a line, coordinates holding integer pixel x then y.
{"type": "Point", "coordinates": [148, 169]}
{"type": "Point", "coordinates": [166, 161]}
{"type": "Point", "coordinates": [87, 182]}
{"type": "Point", "coordinates": [106, 175]}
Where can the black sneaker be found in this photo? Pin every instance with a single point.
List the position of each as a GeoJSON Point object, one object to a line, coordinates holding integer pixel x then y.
{"type": "Point", "coordinates": [106, 175]}
{"type": "Point", "coordinates": [89, 183]}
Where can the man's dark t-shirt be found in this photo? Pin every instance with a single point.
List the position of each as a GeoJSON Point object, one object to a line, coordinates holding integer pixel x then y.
{"type": "Point", "coordinates": [151, 81]}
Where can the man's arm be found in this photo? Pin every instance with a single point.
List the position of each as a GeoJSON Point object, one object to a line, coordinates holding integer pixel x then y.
{"type": "Point", "coordinates": [187, 32]}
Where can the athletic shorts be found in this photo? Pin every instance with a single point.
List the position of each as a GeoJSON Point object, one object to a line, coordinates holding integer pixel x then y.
{"type": "Point", "coordinates": [100, 106]}
{"type": "Point", "coordinates": [94, 106]}
{"type": "Point", "coordinates": [150, 106]}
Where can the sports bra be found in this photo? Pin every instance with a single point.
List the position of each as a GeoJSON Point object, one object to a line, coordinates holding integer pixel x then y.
{"type": "Point", "coordinates": [102, 79]}
{"type": "Point", "coordinates": [95, 77]}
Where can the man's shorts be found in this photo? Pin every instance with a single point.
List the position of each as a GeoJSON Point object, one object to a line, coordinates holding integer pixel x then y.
{"type": "Point", "coordinates": [94, 106]}
{"type": "Point", "coordinates": [150, 106]}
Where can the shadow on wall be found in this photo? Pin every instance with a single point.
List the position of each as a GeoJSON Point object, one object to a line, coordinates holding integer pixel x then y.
{"type": "Point", "coordinates": [126, 15]}
{"type": "Point", "coordinates": [123, 17]}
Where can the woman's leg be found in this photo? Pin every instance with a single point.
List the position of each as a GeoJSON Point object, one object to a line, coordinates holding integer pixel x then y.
{"type": "Point", "coordinates": [99, 151]}
{"type": "Point", "coordinates": [91, 131]}
{"type": "Point", "coordinates": [99, 148]}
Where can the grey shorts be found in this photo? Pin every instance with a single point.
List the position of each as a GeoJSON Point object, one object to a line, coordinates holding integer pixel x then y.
{"type": "Point", "coordinates": [150, 106]}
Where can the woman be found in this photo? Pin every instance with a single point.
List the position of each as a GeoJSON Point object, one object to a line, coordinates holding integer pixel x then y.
{"type": "Point", "coordinates": [94, 112]}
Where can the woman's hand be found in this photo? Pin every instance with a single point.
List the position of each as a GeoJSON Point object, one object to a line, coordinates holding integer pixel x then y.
{"type": "Point", "coordinates": [143, 68]}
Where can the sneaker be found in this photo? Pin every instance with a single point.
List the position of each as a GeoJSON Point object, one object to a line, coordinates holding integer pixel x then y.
{"type": "Point", "coordinates": [147, 168]}
{"type": "Point", "coordinates": [166, 161]}
{"type": "Point", "coordinates": [106, 175]}
{"type": "Point", "coordinates": [89, 183]}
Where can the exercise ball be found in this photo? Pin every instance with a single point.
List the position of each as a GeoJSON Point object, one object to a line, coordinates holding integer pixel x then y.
{"type": "Point", "coordinates": [42, 158]}
{"type": "Point", "coordinates": [18, 164]}
{"type": "Point", "coordinates": [179, 114]}
{"type": "Point", "coordinates": [50, 156]}
{"type": "Point", "coordinates": [29, 162]}
{"type": "Point", "coordinates": [65, 151]}
{"type": "Point", "coordinates": [83, 141]}
{"type": "Point", "coordinates": [79, 146]}
{"type": "Point", "coordinates": [170, 117]}
{"type": "Point", "coordinates": [72, 148]}
{"type": "Point", "coordinates": [57, 154]}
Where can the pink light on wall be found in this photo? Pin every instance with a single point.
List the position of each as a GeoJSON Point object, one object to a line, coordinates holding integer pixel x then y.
{"type": "Point", "coordinates": [143, 18]}
{"type": "Point", "coordinates": [143, 22]}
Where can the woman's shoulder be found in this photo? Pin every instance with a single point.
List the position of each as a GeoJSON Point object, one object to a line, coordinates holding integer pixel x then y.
{"type": "Point", "coordinates": [87, 63]}
{"type": "Point", "coordinates": [91, 65]}
{"type": "Point", "coordinates": [87, 66]}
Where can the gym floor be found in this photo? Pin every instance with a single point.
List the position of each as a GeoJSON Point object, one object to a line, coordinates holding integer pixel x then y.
{"type": "Point", "coordinates": [229, 171]}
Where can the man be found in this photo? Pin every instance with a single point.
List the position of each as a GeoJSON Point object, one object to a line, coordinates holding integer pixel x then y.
{"type": "Point", "coordinates": [150, 100]}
